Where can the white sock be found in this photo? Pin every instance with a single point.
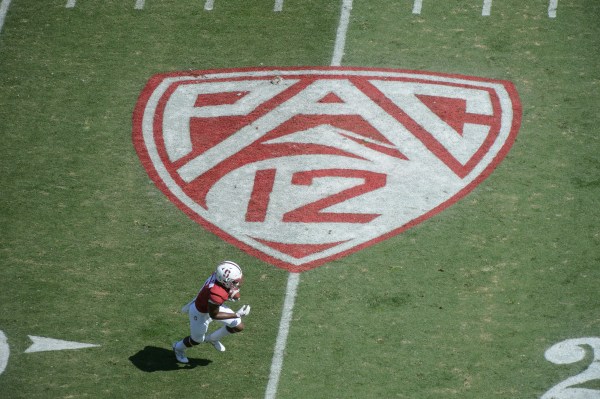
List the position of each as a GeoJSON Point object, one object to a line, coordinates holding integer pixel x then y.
{"type": "Point", "coordinates": [180, 346]}
{"type": "Point", "coordinates": [218, 335]}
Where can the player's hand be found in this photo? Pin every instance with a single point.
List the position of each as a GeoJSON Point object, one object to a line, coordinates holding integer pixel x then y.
{"type": "Point", "coordinates": [244, 311]}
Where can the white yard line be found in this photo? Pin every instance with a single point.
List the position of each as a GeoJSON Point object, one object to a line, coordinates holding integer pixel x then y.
{"type": "Point", "coordinates": [70, 3]}
{"type": "Point", "coordinates": [487, 8]}
{"type": "Point", "coordinates": [209, 5]}
{"type": "Point", "coordinates": [552, 6]}
{"type": "Point", "coordinates": [417, 7]}
{"type": "Point", "coordinates": [294, 278]}
{"type": "Point", "coordinates": [284, 329]}
{"type": "Point", "coordinates": [278, 6]}
{"type": "Point", "coordinates": [139, 4]}
{"type": "Point", "coordinates": [3, 10]}
{"type": "Point", "coordinates": [4, 348]}
{"type": "Point", "coordinates": [340, 38]}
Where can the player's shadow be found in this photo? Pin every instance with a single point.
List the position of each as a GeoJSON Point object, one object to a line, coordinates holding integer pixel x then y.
{"type": "Point", "coordinates": [152, 358]}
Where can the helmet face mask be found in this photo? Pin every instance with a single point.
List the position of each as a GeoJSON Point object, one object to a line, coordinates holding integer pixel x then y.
{"type": "Point", "coordinates": [229, 274]}
{"type": "Point", "coordinates": [237, 283]}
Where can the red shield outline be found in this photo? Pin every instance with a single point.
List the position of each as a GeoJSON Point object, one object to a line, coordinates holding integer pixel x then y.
{"type": "Point", "coordinates": [163, 163]}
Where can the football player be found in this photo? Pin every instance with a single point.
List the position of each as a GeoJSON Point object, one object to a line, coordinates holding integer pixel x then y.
{"type": "Point", "coordinates": [223, 285]}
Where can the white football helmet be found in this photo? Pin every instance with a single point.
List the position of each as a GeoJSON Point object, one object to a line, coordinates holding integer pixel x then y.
{"type": "Point", "coordinates": [229, 274]}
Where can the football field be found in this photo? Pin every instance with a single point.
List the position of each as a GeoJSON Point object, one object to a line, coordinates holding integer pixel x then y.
{"type": "Point", "coordinates": [412, 188]}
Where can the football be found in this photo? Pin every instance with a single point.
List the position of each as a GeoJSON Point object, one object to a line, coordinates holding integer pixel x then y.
{"type": "Point", "coordinates": [234, 295]}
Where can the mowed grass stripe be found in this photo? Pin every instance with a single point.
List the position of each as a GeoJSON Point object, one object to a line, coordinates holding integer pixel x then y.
{"type": "Point", "coordinates": [466, 304]}
{"type": "Point", "coordinates": [294, 279]}
{"type": "Point", "coordinates": [86, 230]}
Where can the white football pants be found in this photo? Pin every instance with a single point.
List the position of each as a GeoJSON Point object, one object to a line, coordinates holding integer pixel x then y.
{"type": "Point", "coordinates": [199, 322]}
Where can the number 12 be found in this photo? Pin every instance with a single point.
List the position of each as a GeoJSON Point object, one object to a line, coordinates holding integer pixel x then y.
{"type": "Point", "coordinates": [264, 181]}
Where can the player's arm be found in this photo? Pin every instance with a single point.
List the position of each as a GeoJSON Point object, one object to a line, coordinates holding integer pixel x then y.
{"type": "Point", "coordinates": [215, 314]}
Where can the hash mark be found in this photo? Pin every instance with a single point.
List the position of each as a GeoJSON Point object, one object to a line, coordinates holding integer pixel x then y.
{"type": "Point", "coordinates": [417, 7]}
{"type": "Point", "coordinates": [278, 6]}
{"type": "Point", "coordinates": [3, 11]}
{"type": "Point", "coordinates": [552, 6]}
{"type": "Point", "coordinates": [487, 8]}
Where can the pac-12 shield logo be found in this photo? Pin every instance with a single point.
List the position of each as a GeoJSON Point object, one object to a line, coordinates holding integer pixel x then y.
{"type": "Point", "coordinates": [298, 166]}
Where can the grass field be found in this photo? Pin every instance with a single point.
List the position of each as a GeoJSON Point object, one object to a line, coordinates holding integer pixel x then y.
{"type": "Point", "coordinates": [463, 305]}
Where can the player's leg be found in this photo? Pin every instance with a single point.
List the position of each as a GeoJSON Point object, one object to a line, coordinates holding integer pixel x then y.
{"type": "Point", "coordinates": [199, 323]}
{"type": "Point", "coordinates": [230, 326]}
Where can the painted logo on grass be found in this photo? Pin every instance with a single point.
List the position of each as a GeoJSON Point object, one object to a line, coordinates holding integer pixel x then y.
{"type": "Point", "coordinates": [304, 165]}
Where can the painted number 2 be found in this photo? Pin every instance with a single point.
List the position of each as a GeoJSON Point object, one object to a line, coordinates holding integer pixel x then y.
{"type": "Point", "coordinates": [572, 351]}
{"type": "Point", "coordinates": [313, 212]}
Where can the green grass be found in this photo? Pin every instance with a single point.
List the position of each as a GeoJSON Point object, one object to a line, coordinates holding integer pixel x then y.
{"type": "Point", "coordinates": [461, 306]}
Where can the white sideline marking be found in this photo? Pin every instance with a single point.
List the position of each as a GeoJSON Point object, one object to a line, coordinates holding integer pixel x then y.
{"type": "Point", "coordinates": [3, 10]}
{"type": "Point", "coordinates": [139, 4]}
{"type": "Point", "coordinates": [42, 344]}
{"type": "Point", "coordinates": [4, 352]}
{"type": "Point", "coordinates": [284, 329]}
{"type": "Point", "coordinates": [417, 6]}
{"type": "Point", "coordinates": [552, 6]}
{"type": "Point", "coordinates": [278, 6]}
{"type": "Point", "coordinates": [209, 5]}
{"type": "Point", "coordinates": [340, 38]}
{"type": "Point", "coordinates": [294, 278]}
{"type": "Point", "coordinates": [487, 8]}
{"type": "Point", "coordinates": [70, 4]}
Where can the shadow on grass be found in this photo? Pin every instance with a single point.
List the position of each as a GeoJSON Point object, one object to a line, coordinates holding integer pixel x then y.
{"type": "Point", "coordinates": [152, 358]}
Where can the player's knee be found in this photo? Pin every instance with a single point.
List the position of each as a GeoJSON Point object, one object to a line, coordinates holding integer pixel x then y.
{"type": "Point", "coordinates": [236, 329]}
{"type": "Point", "coordinates": [194, 340]}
